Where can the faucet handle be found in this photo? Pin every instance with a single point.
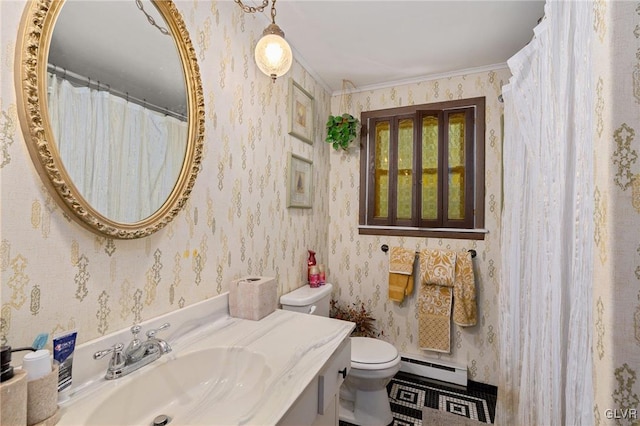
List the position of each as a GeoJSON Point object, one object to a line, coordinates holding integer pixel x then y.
{"type": "Point", "coordinates": [152, 333]}
{"type": "Point", "coordinates": [135, 330]}
{"type": "Point", "coordinates": [117, 360]}
{"type": "Point", "coordinates": [115, 348]}
{"type": "Point", "coordinates": [135, 342]}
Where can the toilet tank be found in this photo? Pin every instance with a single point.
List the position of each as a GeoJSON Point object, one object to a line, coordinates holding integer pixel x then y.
{"type": "Point", "coordinates": [308, 300]}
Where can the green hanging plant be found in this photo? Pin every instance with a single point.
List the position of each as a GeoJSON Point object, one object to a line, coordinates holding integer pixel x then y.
{"type": "Point", "coordinates": [341, 130]}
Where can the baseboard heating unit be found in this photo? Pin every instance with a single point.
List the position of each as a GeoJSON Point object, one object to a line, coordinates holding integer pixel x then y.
{"type": "Point", "coordinates": [433, 369]}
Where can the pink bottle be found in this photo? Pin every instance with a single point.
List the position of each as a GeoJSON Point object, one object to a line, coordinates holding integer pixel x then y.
{"type": "Point", "coordinates": [322, 276]}
{"type": "Point", "coordinates": [314, 277]}
{"type": "Point", "coordinates": [311, 262]}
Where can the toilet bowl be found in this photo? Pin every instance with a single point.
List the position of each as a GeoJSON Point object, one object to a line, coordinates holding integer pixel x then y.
{"type": "Point", "coordinates": [363, 395]}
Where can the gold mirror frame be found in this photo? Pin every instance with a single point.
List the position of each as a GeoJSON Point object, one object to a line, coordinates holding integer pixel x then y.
{"type": "Point", "coordinates": [32, 52]}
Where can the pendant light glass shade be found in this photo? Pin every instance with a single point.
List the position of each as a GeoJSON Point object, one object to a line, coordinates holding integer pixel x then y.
{"type": "Point", "coordinates": [273, 54]}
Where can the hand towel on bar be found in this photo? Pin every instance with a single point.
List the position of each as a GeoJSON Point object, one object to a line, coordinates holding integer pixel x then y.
{"type": "Point", "coordinates": [438, 267]}
{"type": "Point", "coordinates": [465, 311]}
{"type": "Point", "coordinates": [401, 262]}
{"type": "Point", "coordinates": [437, 278]}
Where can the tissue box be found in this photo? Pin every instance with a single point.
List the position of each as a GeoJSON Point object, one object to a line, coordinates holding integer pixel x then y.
{"type": "Point", "coordinates": [253, 298]}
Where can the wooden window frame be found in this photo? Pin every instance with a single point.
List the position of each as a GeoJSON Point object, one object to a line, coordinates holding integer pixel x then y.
{"type": "Point", "coordinates": [473, 226]}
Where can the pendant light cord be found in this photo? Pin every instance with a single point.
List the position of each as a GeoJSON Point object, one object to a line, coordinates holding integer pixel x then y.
{"type": "Point", "coordinates": [254, 9]}
{"type": "Point", "coordinates": [273, 12]}
{"type": "Point", "coordinates": [152, 21]}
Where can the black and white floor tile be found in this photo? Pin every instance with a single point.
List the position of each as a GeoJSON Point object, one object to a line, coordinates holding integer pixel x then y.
{"type": "Point", "coordinates": [410, 394]}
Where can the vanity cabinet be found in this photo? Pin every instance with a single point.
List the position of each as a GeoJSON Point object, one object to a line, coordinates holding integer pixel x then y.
{"type": "Point", "coordinates": [285, 369]}
{"type": "Point", "coordinates": [319, 402]}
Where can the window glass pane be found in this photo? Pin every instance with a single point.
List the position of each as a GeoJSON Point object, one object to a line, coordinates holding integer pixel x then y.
{"type": "Point", "coordinates": [405, 168]}
{"type": "Point", "coordinates": [456, 165]}
{"type": "Point", "coordinates": [433, 186]}
{"type": "Point", "coordinates": [381, 184]}
{"type": "Point", "coordinates": [430, 167]}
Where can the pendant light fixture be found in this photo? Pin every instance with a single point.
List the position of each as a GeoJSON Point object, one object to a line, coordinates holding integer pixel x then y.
{"type": "Point", "coordinates": [273, 54]}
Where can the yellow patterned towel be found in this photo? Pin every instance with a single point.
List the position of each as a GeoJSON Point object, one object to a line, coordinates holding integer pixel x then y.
{"type": "Point", "coordinates": [401, 263]}
{"type": "Point", "coordinates": [434, 311]}
{"type": "Point", "coordinates": [465, 311]}
{"type": "Point", "coordinates": [437, 278]}
{"type": "Point", "coordinates": [438, 267]}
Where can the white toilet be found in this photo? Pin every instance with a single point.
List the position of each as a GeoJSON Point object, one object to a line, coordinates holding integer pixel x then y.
{"type": "Point", "coordinates": [363, 395]}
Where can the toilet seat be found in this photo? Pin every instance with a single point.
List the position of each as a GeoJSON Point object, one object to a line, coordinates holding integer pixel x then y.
{"type": "Point", "coordinates": [372, 354]}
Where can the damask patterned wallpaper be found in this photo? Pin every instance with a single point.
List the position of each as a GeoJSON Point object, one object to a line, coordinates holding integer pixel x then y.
{"type": "Point", "coordinates": [616, 290]}
{"type": "Point", "coordinates": [58, 276]}
{"type": "Point", "coordinates": [359, 268]}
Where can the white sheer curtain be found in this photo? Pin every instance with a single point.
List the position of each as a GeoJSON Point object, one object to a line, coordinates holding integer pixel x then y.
{"type": "Point", "coordinates": [547, 225]}
{"type": "Point", "coordinates": [123, 158]}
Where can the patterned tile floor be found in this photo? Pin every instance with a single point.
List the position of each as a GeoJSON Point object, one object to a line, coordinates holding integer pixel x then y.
{"type": "Point", "coordinates": [409, 394]}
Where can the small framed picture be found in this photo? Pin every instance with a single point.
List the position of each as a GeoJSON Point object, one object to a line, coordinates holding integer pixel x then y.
{"type": "Point", "coordinates": [300, 182]}
{"type": "Point", "coordinates": [301, 113]}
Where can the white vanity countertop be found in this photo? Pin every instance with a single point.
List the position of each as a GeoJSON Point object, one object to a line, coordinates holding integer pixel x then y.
{"type": "Point", "coordinates": [295, 347]}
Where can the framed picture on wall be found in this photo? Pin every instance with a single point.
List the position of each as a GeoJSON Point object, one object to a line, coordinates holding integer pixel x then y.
{"type": "Point", "coordinates": [301, 112]}
{"type": "Point", "coordinates": [299, 182]}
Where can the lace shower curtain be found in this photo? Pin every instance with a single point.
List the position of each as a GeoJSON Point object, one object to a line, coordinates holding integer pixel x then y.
{"type": "Point", "coordinates": [135, 157]}
{"type": "Point", "coordinates": [547, 225]}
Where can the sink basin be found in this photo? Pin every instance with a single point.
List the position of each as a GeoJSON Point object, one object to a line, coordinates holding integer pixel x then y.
{"type": "Point", "coordinates": [210, 386]}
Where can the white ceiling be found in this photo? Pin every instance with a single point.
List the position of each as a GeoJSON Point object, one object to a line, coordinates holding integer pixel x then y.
{"type": "Point", "coordinates": [375, 42]}
{"type": "Point", "coordinates": [368, 42]}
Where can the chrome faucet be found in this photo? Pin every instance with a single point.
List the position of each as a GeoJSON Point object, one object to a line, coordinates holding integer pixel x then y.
{"type": "Point", "coordinates": [136, 355]}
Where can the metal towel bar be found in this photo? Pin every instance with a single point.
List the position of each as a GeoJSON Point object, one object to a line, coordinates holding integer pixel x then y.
{"type": "Point", "coordinates": [385, 248]}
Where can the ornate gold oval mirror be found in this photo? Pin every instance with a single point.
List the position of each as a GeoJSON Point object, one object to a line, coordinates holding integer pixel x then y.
{"type": "Point", "coordinates": [113, 126]}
